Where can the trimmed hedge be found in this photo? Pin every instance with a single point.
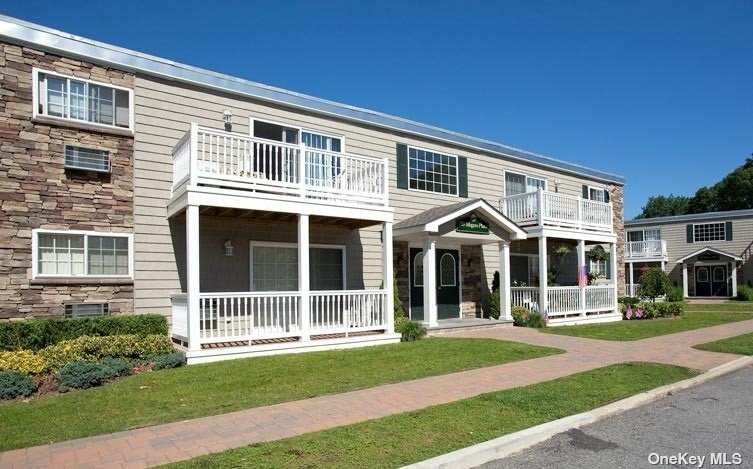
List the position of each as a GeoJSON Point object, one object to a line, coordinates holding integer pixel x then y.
{"type": "Point", "coordinates": [85, 349]}
{"type": "Point", "coordinates": [36, 334]}
{"type": "Point", "coordinates": [14, 384]}
{"type": "Point", "coordinates": [744, 293]}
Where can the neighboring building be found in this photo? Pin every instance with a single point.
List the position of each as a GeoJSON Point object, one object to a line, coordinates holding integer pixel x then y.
{"type": "Point", "coordinates": [261, 219]}
{"type": "Point", "coordinates": [707, 254]}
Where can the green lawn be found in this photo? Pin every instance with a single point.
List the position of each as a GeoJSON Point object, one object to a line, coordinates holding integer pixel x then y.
{"type": "Point", "coordinates": [741, 345]}
{"type": "Point", "coordinates": [200, 390]}
{"type": "Point", "coordinates": [410, 437]}
{"type": "Point", "coordinates": [695, 317]}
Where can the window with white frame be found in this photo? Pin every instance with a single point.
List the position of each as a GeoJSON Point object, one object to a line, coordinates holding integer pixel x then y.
{"type": "Point", "coordinates": [447, 271]}
{"type": "Point", "coordinates": [274, 267]}
{"type": "Point", "coordinates": [599, 195]}
{"type": "Point", "coordinates": [644, 235]}
{"type": "Point", "coordinates": [709, 232]}
{"type": "Point", "coordinates": [599, 268]}
{"type": "Point", "coordinates": [75, 99]}
{"type": "Point", "coordinates": [64, 254]}
{"type": "Point", "coordinates": [432, 172]}
{"type": "Point", "coordinates": [520, 184]}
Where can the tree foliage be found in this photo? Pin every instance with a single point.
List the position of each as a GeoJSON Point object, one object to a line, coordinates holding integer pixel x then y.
{"type": "Point", "coordinates": [654, 282]}
{"type": "Point", "coordinates": [733, 192]}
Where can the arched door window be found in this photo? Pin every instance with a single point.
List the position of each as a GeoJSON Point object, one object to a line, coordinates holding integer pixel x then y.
{"type": "Point", "coordinates": [418, 270]}
{"type": "Point", "coordinates": [447, 271]}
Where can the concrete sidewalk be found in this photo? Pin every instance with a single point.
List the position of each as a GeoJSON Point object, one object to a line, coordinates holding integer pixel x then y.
{"type": "Point", "coordinates": [183, 440]}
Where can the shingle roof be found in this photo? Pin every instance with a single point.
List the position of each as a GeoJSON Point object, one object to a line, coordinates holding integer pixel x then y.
{"type": "Point", "coordinates": [428, 216]}
{"type": "Point", "coordinates": [690, 217]}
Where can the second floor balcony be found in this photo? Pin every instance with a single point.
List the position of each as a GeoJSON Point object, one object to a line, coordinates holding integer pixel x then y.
{"type": "Point", "coordinates": [229, 160]}
{"type": "Point", "coordinates": [653, 249]}
{"type": "Point", "coordinates": [554, 210]}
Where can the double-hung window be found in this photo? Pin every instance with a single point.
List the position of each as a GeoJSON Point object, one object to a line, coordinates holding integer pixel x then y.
{"type": "Point", "coordinates": [74, 99]}
{"type": "Point", "coordinates": [598, 195]}
{"type": "Point", "coordinates": [82, 254]}
{"type": "Point", "coordinates": [432, 172]}
{"type": "Point", "coordinates": [599, 267]}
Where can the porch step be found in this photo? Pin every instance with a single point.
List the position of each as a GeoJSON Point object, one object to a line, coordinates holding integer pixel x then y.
{"type": "Point", "coordinates": [455, 325]}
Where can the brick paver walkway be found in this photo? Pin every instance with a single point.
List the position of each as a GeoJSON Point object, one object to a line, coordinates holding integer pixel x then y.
{"type": "Point", "coordinates": [183, 440]}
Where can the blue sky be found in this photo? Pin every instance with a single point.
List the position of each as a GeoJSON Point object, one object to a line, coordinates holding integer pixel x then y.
{"type": "Point", "coordinates": [660, 92]}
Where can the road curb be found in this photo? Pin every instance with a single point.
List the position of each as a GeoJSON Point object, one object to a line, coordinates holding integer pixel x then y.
{"type": "Point", "coordinates": [515, 442]}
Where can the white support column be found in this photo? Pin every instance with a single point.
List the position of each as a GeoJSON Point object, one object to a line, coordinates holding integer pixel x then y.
{"type": "Point", "coordinates": [193, 288]}
{"type": "Point", "coordinates": [684, 280]}
{"type": "Point", "coordinates": [543, 274]}
{"type": "Point", "coordinates": [389, 282]}
{"type": "Point", "coordinates": [303, 275]}
{"type": "Point", "coordinates": [504, 282]}
{"type": "Point", "coordinates": [430, 281]}
{"type": "Point", "coordinates": [733, 269]}
{"type": "Point", "coordinates": [662, 266]}
{"type": "Point", "coordinates": [613, 271]}
{"type": "Point", "coordinates": [581, 250]}
{"type": "Point", "coordinates": [632, 280]}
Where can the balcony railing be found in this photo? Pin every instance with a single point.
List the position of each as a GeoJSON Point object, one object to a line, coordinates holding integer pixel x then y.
{"type": "Point", "coordinates": [224, 159]}
{"type": "Point", "coordinates": [250, 316]}
{"type": "Point", "coordinates": [652, 249]}
{"type": "Point", "coordinates": [543, 208]}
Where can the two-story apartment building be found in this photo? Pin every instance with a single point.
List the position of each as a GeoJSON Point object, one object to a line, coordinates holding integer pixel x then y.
{"type": "Point", "coordinates": [261, 220]}
{"type": "Point", "coordinates": [707, 254]}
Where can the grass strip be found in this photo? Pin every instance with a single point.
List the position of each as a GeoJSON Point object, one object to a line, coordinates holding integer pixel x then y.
{"type": "Point", "coordinates": [410, 437]}
{"type": "Point", "coordinates": [740, 345]}
{"type": "Point", "coordinates": [642, 329]}
{"type": "Point", "coordinates": [200, 390]}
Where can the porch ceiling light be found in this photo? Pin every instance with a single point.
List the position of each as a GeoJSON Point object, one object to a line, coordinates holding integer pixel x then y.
{"type": "Point", "coordinates": [228, 248]}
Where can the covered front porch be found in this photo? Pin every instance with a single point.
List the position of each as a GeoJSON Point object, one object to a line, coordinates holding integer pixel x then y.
{"type": "Point", "coordinates": [709, 273]}
{"type": "Point", "coordinates": [259, 282]}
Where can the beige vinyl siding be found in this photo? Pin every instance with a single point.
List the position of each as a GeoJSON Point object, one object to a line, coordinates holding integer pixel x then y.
{"type": "Point", "coordinates": [163, 112]}
{"type": "Point", "coordinates": [678, 247]}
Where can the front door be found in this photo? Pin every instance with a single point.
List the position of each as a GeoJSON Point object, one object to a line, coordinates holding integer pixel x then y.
{"type": "Point", "coordinates": [703, 281]}
{"type": "Point", "coordinates": [719, 280]}
{"type": "Point", "coordinates": [448, 284]}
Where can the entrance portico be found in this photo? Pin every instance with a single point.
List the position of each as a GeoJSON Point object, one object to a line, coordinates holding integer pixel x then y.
{"type": "Point", "coordinates": [436, 238]}
{"type": "Point", "coordinates": [709, 272]}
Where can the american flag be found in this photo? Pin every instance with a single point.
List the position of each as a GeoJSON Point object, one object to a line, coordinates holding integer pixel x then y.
{"type": "Point", "coordinates": [582, 276]}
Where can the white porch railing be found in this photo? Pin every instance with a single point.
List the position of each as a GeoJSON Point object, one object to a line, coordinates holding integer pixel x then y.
{"type": "Point", "coordinates": [567, 300]}
{"type": "Point", "coordinates": [651, 249]}
{"type": "Point", "coordinates": [632, 289]}
{"type": "Point", "coordinates": [543, 208]}
{"type": "Point", "coordinates": [347, 311]}
{"type": "Point", "coordinates": [248, 316]}
{"type": "Point", "coordinates": [213, 157]}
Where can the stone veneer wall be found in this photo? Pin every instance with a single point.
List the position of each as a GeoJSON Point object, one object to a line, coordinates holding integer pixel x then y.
{"type": "Point", "coordinates": [37, 192]}
{"type": "Point", "coordinates": [618, 213]}
{"type": "Point", "coordinates": [474, 279]}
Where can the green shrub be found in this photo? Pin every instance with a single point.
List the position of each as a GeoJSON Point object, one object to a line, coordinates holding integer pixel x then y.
{"type": "Point", "coordinates": [744, 293]}
{"type": "Point", "coordinates": [14, 384]}
{"type": "Point", "coordinates": [412, 330]}
{"type": "Point", "coordinates": [675, 294]}
{"type": "Point", "coordinates": [628, 300]}
{"type": "Point", "coordinates": [92, 349]}
{"type": "Point", "coordinates": [168, 360]}
{"type": "Point", "coordinates": [654, 282]}
{"type": "Point", "coordinates": [494, 305]}
{"type": "Point", "coordinates": [520, 316]}
{"type": "Point", "coordinates": [537, 320]}
{"type": "Point", "coordinates": [116, 366]}
{"type": "Point", "coordinates": [83, 375]}
{"type": "Point", "coordinates": [36, 334]}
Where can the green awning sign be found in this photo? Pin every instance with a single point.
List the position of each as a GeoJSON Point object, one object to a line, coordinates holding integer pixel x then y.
{"type": "Point", "coordinates": [472, 225]}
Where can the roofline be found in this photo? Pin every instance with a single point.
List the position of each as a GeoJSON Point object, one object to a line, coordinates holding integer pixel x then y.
{"type": "Point", "coordinates": [19, 31]}
{"type": "Point", "coordinates": [709, 248]}
{"type": "Point", "coordinates": [690, 217]}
